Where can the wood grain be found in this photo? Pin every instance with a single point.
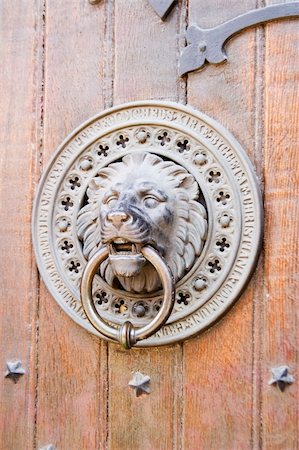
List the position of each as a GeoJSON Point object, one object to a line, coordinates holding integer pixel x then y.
{"type": "Point", "coordinates": [18, 174]}
{"type": "Point", "coordinates": [145, 68]}
{"type": "Point", "coordinates": [218, 384]}
{"type": "Point", "coordinates": [71, 398]}
{"type": "Point", "coordinates": [63, 61]}
{"type": "Point", "coordinates": [280, 325]}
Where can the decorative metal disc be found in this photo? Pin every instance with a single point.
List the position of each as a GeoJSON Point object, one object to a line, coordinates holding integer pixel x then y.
{"type": "Point", "coordinates": [228, 191]}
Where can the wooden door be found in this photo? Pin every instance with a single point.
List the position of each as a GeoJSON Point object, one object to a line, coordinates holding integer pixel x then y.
{"type": "Point", "coordinates": [62, 61]}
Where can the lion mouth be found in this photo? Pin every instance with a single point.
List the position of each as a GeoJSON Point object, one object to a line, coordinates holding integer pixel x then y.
{"type": "Point", "coordinates": [125, 257]}
{"type": "Point", "coordinates": [122, 247]}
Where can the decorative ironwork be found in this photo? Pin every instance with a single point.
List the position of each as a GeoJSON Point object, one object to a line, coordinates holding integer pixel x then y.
{"type": "Point", "coordinates": [14, 370]}
{"type": "Point", "coordinates": [281, 377]}
{"type": "Point", "coordinates": [207, 225]}
{"type": "Point", "coordinates": [161, 7]}
{"type": "Point", "coordinates": [140, 383]}
{"type": "Point", "coordinates": [206, 45]}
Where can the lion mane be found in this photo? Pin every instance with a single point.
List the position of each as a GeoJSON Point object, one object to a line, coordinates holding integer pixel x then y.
{"type": "Point", "coordinates": [186, 232]}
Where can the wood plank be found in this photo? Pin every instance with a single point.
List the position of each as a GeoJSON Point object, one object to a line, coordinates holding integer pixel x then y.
{"type": "Point", "coordinates": [71, 401]}
{"type": "Point", "coordinates": [218, 392]}
{"type": "Point", "coordinates": [145, 68]}
{"type": "Point", "coordinates": [149, 421]}
{"type": "Point", "coordinates": [19, 56]}
{"type": "Point", "coordinates": [280, 327]}
{"type": "Point", "coordinates": [145, 53]}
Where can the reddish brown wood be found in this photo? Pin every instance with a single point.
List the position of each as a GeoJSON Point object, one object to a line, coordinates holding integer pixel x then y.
{"type": "Point", "coordinates": [218, 384]}
{"type": "Point", "coordinates": [143, 71]}
{"type": "Point", "coordinates": [18, 174]}
{"type": "Point", "coordinates": [280, 327]}
{"type": "Point", "coordinates": [71, 399]}
{"type": "Point", "coordinates": [62, 64]}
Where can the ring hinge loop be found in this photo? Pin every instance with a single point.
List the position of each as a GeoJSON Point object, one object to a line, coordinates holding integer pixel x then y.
{"type": "Point", "coordinates": [127, 334]}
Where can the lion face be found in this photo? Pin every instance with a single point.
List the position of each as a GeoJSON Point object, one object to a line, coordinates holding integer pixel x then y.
{"type": "Point", "coordinates": [142, 200]}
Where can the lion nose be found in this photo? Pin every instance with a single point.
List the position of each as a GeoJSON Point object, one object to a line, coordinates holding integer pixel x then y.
{"type": "Point", "coordinates": [117, 218]}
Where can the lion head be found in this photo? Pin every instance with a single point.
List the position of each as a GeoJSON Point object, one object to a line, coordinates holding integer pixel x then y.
{"type": "Point", "coordinates": [142, 200]}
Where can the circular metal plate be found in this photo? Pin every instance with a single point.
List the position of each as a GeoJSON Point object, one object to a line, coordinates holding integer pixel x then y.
{"type": "Point", "coordinates": [230, 195]}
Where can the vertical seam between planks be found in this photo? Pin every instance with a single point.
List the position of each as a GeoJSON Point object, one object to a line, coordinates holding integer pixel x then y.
{"type": "Point", "coordinates": [182, 399]}
{"type": "Point", "coordinates": [182, 23]}
{"type": "Point", "coordinates": [109, 72]}
{"type": "Point", "coordinates": [182, 95]}
{"type": "Point", "coordinates": [107, 395]}
{"type": "Point", "coordinates": [178, 423]}
{"type": "Point", "coordinates": [258, 291]}
{"type": "Point", "coordinates": [40, 85]}
{"type": "Point", "coordinates": [181, 42]}
{"type": "Point", "coordinates": [109, 54]}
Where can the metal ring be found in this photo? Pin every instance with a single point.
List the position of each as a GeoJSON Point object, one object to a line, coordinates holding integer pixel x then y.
{"type": "Point", "coordinates": [127, 334]}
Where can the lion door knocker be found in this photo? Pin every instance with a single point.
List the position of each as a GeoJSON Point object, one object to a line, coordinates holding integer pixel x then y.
{"type": "Point", "coordinates": [147, 223]}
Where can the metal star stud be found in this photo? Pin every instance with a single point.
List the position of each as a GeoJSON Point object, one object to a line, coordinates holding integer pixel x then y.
{"type": "Point", "coordinates": [140, 383]}
{"type": "Point", "coordinates": [14, 370]}
{"type": "Point", "coordinates": [281, 377]}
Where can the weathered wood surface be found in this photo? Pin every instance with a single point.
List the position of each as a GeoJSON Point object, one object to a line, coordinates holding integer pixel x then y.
{"type": "Point", "coordinates": [148, 422]}
{"type": "Point", "coordinates": [18, 155]}
{"type": "Point", "coordinates": [280, 314]}
{"type": "Point", "coordinates": [61, 63]}
{"type": "Point", "coordinates": [218, 383]}
{"type": "Point", "coordinates": [71, 365]}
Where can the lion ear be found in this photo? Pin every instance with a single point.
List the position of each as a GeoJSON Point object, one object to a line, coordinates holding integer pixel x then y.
{"type": "Point", "coordinates": [187, 181]}
{"type": "Point", "coordinates": [98, 182]}
{"type": "Point", "coordinates": [94, 184]}
{"type": "Point", "coordinates": [93, 187]}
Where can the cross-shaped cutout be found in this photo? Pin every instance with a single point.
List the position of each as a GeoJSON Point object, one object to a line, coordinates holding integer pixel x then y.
{"type": "Point", "coordinates": [214, 265]}
{"type": "Point", "coordinates": [103, 150]}
{"type": "Point", "coordinates": [223, 244]}
{"type": "Point", "coordinates": [183, 145]}
{"type": "Point", "coordinates": [164, 138]}
{"type": "Point", "coordinates": [74, 182]}
{"type": "Point", "coordinates": [122, 141]}
{"type": "Point", "coordinates": [67, 203]}
{"type": "Point", "coordinates": [74, 267]}
{"type": "Point", "coordinates": [67, 246]}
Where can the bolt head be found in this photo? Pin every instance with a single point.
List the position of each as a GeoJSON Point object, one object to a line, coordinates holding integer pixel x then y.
{"type": "Point", "coordinates": [224, 221]}
{"type": "Point", "coordinates": [200, 284]}
{"type": "Point", "coordinates": [200, 159]}
{"type": "Point", "coordinates": [141, 137]}
{"type": "Point", "coordinates": [86, 164]}
{"type": "Point", "coordinates": [139, 310]}
{"type": "Point", "coordinates": [63, 225]}
{"type": "Point", "coordinates": [202, 46]}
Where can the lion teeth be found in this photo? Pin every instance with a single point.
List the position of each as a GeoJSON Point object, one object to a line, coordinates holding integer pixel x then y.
{"type": "Point", "coordinates": [120, 246]}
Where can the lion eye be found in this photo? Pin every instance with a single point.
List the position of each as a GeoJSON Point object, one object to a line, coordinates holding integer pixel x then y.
{"type": "Point", "coordinates": [151, 202]}
{"type": "Point", "coordinates": [111, 201]}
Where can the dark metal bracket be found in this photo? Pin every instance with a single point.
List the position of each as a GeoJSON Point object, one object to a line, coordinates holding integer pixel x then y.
{"type": "Point", "coordinates": [206, 45]}
{"type": "Point", "coordinates": [161, 7]}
